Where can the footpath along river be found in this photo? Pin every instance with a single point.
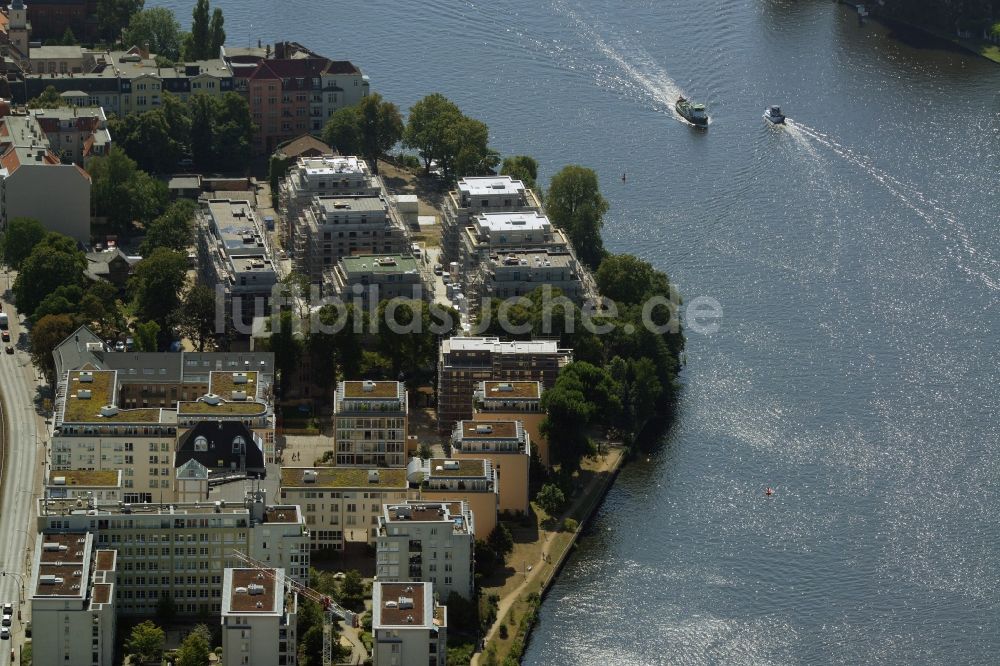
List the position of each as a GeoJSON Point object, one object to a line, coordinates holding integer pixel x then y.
{"type": "Point", "coordinates": [855, 253]}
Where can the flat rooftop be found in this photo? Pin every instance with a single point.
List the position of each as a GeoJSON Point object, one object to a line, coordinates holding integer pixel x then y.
{"type": "Point", "coordinates": [488, 185]}
{"type": "Point", "coordinates": [243, 407]}
{"type": "Point", "coordinates": [386, 263]}
{"type": "Point", "coordinates": [489, 430]}
{"type": "Point", "coordinates": [282, 514]}
{"type": "Point", "coordinates": [465, 467]}
{"type": "Point", "coordinates": [371, 389]}
{"type": "Point", "coordinates": [402, 604]}
{"type": "Point", "coordinates": [495, 345]}
{"type": "Point", "coordinates": [89, 391]}
{"type": "Point", "coordinates": [236, 225]}
{"type": "Point", "coordinates": [511, 390]}
{"type": "Point", "coordinates": [252, 591]}
{"type": "Point", "coordinates": [524, 221]}
{"type": "Point", "coordinates": [328, 165]}
{"type": "Point", "coordinates": [62, 565]}
{"type": "Point", "coordinates": [101, 593]}
{"type": "Point", "coordinates": [105, 560]}
{"type": "Point", "coordinates": [343, 477]}
{"type": "Point", "coordinates": [88, 478]}
{"type": "Point", "coordinates": [224, 383]}
{"type": "Point", "coordinates": [535, 259]}
{"type": "Point", "coordinates": [63, 547]}
{"type": "Point", "coordinates": [342, 204]}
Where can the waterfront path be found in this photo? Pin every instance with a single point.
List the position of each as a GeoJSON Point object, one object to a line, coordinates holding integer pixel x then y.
{"type": "Point", "coordinates": [556, 545]}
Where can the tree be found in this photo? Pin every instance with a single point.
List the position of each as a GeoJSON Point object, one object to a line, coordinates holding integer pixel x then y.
{"type": "Point", "coordinates": [195, 649]}
{"type": "Point", "coordinates": [64, 300]}
{"type": "Point", "coordinates": [521, 167]}
{"type": "Point", "coordinates": [122, 193]}
{"type": "Point", "coordinates": [424, 451]}
{"type": "Point", "coordinates": [501, 540]}
{"type": "Point", "coordinates": [113, 15]}
{"type": "Point", "coordinates": [466, 151]}
{"type": "Point", "coordinates": [352, 589]}
{"type": "Point", "coordinates": [343, 131]}
{"type": "Point", "coordinates": [201, 38]}
{"type": "Point", "coordinates": [629, 280]}
{"type": "Point", "coordinates": [412, 347]}
{"type": "Point", "coordinates": [100, 309]}
{"type": "Point", "coordinates": [166, 609]}
{"type": "Point", "coordinates": [575, 205]}
{"type": "Point", "coordinates": [21, 237]}
{"type": "Point", "coordinates": [381, 127]}
{"type": "Point", "coordinates": [68, 38]}
{"type": "Point", "coordinates": [156, 284]}
{"type": "Point", "coordinates": [158, 28]}
{"type": "Point", "coordinates": [49, 99]}
{"type": "Point", "coordinates": [46, 334]}
{"type": "Point", "coordinates": [146, 335]}
{"type": "Point", "coordinates": [196, 317]}
{"type": "Point", "coordinates": [217, 34]}
{"type": "Point", "coordinates": [53, 262]}
{"type": "Point", "coordinates": [146, 642]}
{"type": "Point", "coordinates": [427, 127]}
{"type": "Point", "coordinates": [287, 347]}
{"type": "Point", "coordinates": [221, 132]}
{"type": "Point", "coordinates": [551, 499]}
{"type": "Point", "coordinates": [172, 229]}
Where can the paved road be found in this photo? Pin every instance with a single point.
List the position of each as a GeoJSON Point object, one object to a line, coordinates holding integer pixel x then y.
{"type": "Point", "coordinates": [18, 383]}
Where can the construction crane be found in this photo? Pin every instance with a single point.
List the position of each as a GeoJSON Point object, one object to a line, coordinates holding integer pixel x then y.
{"type": "Point", "coordinates": [331, 609]}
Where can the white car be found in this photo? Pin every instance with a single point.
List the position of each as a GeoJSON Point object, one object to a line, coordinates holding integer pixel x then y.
{"type": "Point", "coordinates": [4, 633]}
{"type": "Point", "coordinates": [8, 609]}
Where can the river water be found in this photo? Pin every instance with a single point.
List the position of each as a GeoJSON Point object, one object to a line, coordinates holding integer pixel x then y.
{"type": "Point", "coordinates": [855, 253]}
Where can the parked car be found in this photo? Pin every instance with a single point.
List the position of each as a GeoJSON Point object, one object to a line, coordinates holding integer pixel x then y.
{"type": "Point", "coordinates": [5, 633]}
{"type": "Point", "coordinates": [8, 610]}
{"type": "Point", "coordinates": [9, 349]}
{"type": "Point", "coordinates": [438, 268]}
{"type": "Point", "coordinates": [6, 621]}
{"type": "Point", "coordinates": [5, 335]}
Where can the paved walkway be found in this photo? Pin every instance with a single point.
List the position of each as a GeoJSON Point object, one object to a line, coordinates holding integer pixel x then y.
{"type": "Point", "coordinates": [611, 460]}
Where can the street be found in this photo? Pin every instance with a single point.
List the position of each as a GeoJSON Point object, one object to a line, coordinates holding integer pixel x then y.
{"type": "Point", "coordinates": [21, 474]}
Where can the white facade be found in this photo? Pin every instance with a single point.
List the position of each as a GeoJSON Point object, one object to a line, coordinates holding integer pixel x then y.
{"type": "Point", "coordinates": [481, 194]}
{"type": "Point", "coordinates": [408, 625]}
{"type": "Point", "coordinates": [73, 601]}
{"type": "Point", "coordinates": [370, 420]}
{"type": "Point", "coordinates": [258, 618]}
{"type": "Point", "coordinates": [427, 541]}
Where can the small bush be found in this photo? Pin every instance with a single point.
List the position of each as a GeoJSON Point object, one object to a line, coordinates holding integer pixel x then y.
{"type": "Point", "coordinates": [570, 525]}
{"type": "Point", "coordinates": [503, 631]}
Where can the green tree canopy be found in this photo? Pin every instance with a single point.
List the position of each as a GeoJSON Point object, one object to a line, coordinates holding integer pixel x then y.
{"type": "Point", "coordinates": [521, 167]}
{"type": "Point", "coordinates": [411, 349]}
{"type": "Point", "coordinates": [501, 540]}
{"type": "Point", "coordinates": [114, 15]}
{"type": "Point", "coordinates": [172, 230]}
{"type": "Point", "coordinates": [146, 335]}
{"type": "Point", "coordinates": [158, 28]}
{"type": "Point", "coordinates": [49, 99]}
{"type": "Point", "coordinates": [628, 280]}
{"type": "Point", "coordinates": [575, 205]}
{"type": "Point", "coordinates": [146, 641]}
{"type": "Point", "coordinates": [369, 129]}
{"type": "Point", "coordinates": [156, 285]}
{"type": "Point", "coordinates": [200, 46]}
{"type": "Point", "coordinates": [54, 262]}
{"type": "Point", "coordinates": [68, 38]}
{"type": "Point", "coordinates": [343, 131]}
{"type": "Point", "coordinates": [64, 300]}
{"type": "Point", "coordinates": [221, 132]}
{"type": "Point", "coordinates": [584, 396]}
{"type": "Point", "coordinates": [216, 33]}
{"type": "Point", "coordinates": [122, 192]}
{"type": "Point", "coordinates": [428, 126]}
{"type": "Point", "coordinates": [48, 332]}
{"type": "Point", "coordinates": [21, 237]}
{"type": "Point", "coordinates": [551, 499]}
{"type": "Point", "coordinates": [195, 649]}
{"type": "Point", "coordinates": [196, 317]}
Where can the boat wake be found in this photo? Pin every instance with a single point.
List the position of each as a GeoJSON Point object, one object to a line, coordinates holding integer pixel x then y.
{"type": "Point", "coordinates": [977, 264]}
{"type": "Point", "coordinates": [637, 72]}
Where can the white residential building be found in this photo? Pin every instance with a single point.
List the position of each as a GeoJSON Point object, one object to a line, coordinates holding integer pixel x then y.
{"type": "Point", "coordinates": [507, 445]}
{"type": "Point", "coordinates": [258, 618]}
{"type": "Point", "coordinates": [73, 601]}
{"type": "Point", "coordinates": [481, 194]}
{"type": "Point", "coordinates": [181, 550]}
{"type": "Point", "coordinates": [326, 175]}
{"type": "Point", "coordinates": [370, 423]}
{"type": "Point", "coordinates": [342, 505]}
{"type": "Point", "coordinates": [469, 480]}
{"type": "Point", "coordinates": [495, 234]}
{"type": "Point", "coordinates": [86, 485]}
{"type": "Point", "coordinates": [427, 541]}
{"type": "Point", "coordinates": [408, 626]}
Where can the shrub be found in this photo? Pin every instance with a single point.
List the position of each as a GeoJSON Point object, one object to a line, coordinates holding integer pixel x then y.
{"type": "Point", "coordinates": [570, 525]}
{"type": "Point", "coordinates": [503, 631]}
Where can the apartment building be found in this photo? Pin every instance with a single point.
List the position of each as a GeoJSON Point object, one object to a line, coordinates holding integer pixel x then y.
{"type": "Point", "coordinates": [126, 82]}
{"type": "Point", "coordinates": [432, 542]}
{"type": "Point", "coordinates": [182, 550]}
{"type": "Point", "coordinates": [518, 273]}
{"type": "Point", "coordinates": [514, 401]}
{"type": "Point", "coordinates": [30, 174]}
{"type": "Point", "coordinates": [333, 227]}
{"type": "Point", "coordinates": [507, 445]}
{"type": "Point", "coordinates": [236, 260]}
{"type": "Point", "coordinates": [465, 362]}
{"type": "Point", "coordinates": [73, 600]}
{"type": "Point", "coordinates": [496, 234]}
{"type": "Point", "coordinates": [481, 194]}
{"type": "Point", "coordinates": [342, 505]}
{"type": "Point", "coordinates": [258, 618]}
{"type": "Point", "coordinates": [297, 91]}
{"type": "Point", "coordinates": [408, 625]}
{"type": "Point", "coordinates": [370, 423]}
{"type": "Point", "coordinates": [326, 175]}
{"type": "Point", "coordinates": [51, 18]}
{"type": "Point", "coordinates": [469, 480]}
{"type": "Point", "coordinates": [85, 485]}
{"type": "Point", "coordinates": [366, 280]}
